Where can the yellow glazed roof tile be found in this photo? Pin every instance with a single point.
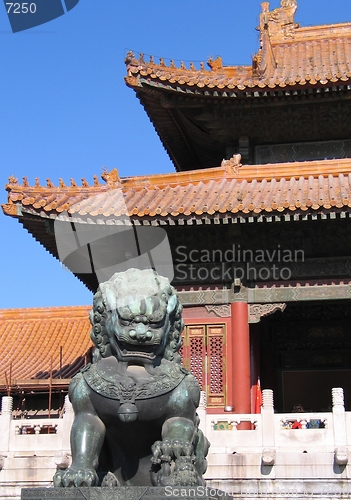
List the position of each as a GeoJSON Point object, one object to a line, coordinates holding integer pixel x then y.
{"type": "Point", "coordinates": [228, 189]}
{"type": "Point", "coordinates": [35, 340]}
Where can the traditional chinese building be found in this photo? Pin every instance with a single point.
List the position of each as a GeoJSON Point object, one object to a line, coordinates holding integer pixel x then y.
{"type": "Point", "coordinates": [257, 212]}
{"type": "Point", "coordinates": [257, 218]}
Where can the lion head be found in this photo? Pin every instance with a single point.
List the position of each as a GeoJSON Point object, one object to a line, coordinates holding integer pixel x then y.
{"type": "Point", "coordinates": [136, 316]}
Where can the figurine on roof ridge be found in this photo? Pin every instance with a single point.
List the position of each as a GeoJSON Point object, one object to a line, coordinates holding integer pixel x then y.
{"type": "Point", "coordinates": [110, 177]}
{"type": "Point", "coordinates": [233, 164]}
{"type": "Point", "coordinates": [215, 64]}
{"type": "Point", "coordinates": [280, 21]}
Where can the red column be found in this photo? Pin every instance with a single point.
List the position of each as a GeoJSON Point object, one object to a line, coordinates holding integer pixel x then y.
{"type": "Point", "coordinates": [240, 358]}
{"type": "Point", "coordinates": [229, 365]}
{"type": "Point", "coordinates": [255, 365]}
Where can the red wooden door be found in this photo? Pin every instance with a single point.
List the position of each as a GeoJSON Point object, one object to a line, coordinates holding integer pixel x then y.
{"type": "Point", "coordinates": [203, 353]}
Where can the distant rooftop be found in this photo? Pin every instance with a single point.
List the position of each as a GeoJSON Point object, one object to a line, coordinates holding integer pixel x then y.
{"type": "Point", "coordinates": [36, 342]}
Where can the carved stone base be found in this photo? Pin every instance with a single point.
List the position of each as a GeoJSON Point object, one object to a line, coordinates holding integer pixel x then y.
{"type": "Point", "coordinates": [124, 493]}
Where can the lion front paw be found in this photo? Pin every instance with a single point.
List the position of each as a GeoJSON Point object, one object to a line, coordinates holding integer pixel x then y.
{"type": "Point", "coordinates": [174, 464]}
{"type": "Point", "coordinates": [170, 449]}
{"type": "Point", "coordinates": [75, 478]}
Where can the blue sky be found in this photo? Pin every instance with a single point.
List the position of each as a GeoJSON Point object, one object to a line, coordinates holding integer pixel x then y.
{"type": "Point", "coordinates": [65, 110]}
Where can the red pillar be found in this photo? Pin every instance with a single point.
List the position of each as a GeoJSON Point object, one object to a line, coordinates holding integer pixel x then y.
{"type": "Point", "coordinates": [240, 358]}
{"type": "Point", "coordinates": [255, 366]}
{"type": "Point", "coordinates": [229, 364]}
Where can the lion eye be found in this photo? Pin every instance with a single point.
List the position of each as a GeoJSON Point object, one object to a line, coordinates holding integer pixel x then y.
{"type": "Point", "coordinates": [157, 325]}
{"type": "Point", "coordinates": [124, 322]}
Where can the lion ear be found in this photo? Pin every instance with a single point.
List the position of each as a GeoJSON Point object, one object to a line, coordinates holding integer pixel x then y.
{"type": "Point", "coordinates": [109, 297]}
{"type": "Point", "coordinates": [172, 304]}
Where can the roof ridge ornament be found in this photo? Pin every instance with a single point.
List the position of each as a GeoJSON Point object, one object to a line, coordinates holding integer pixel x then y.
{"type": "Point", "coordinates": [215, 64]}
{"type": "Point", "coordinates": [137, 63]}
{"type": "Point", "coordinates": [232, 165]}
{"type": "Point", "coordinates": [111, 178]}
{"type": "Point", "coordinates": [13, 180]}
{"type": "Point", "coordinates": [279, 22]}
{"type": "Point", "coordinates": [130, 59]}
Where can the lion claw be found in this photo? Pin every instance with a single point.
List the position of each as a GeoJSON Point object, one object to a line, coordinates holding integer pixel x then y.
{"type": "Point", "coordinates": [76, 478]}
{"type": "Point", "coordinates": [171, 449]}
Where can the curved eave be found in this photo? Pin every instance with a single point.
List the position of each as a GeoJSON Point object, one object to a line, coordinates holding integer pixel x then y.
{"type": "Point", "coordinates": [179, 217]}
{"type": "Point", "coordinates": [222, 87]}
{"type": "Point", "coordinates": [231, 191]}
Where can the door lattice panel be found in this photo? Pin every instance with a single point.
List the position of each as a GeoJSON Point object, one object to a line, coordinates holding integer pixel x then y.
{"type": "Point", "coordinates": [203, 353]}
{"type": "Point", "coordinates": [197, 358]}
{"type": "Point", "coordinates": [216, 364]}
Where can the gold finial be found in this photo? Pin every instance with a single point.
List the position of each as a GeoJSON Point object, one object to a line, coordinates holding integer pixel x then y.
{"type": "Point", "coordinates": [62, 184]}
{"type": "Point", "coordinates": [96, 180]}
{"type": "Point", "coordinates": [37, 183]}
{"type": "Point", "coordinates": [84, 182]}
{"type": "Point", "coordinates": [25, 181]}
{"type": "Point", "coordinates": [49, 183]}
{"type": "Point", "coordinates": [73, 183]}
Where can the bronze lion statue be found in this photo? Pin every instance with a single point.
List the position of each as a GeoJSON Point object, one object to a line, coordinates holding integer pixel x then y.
{"type": "Point", "coordinates": [135, 405]}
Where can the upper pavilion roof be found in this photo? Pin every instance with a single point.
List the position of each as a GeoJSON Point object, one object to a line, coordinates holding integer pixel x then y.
{"type": "Point", "coordinates": [35, 342]}
{"type": "Point", "coordinates": [289, 56]}
{"type": "Point", "coordinates": [285, 95]}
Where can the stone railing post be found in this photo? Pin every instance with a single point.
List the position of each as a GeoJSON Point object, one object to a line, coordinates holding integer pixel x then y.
{"type": "Point", "coordinates": [268, 429]}
{"type": "Point", "coordinates": [65, 424]}
{"type": "Point", "coordinates": [339, 426]}
{"type": "Point", "coordinates": [201, 411]}
{"type": "Point", "coordinates": [5, 422]}
{"type": "Point", "coordinates": [62, 456]}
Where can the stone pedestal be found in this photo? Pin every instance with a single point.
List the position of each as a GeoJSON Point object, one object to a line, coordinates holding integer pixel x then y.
{"type": "Point", "coordinates": [235, 490]}
{"type": "Point", "coordinates": [124, 493]}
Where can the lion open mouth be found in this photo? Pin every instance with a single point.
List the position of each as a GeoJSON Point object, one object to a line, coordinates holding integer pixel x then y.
{"type": "Point", "coordinates": [138, 350]}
